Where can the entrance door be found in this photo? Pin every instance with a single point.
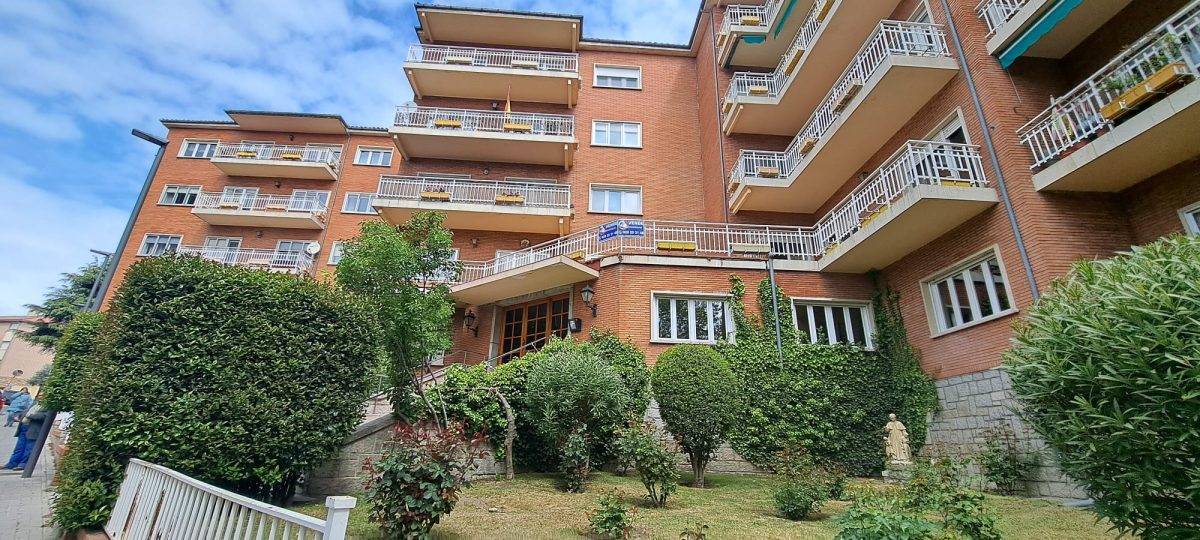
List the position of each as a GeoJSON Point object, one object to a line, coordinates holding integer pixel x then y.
{"type": "Point", "coordinates": [527, 327]}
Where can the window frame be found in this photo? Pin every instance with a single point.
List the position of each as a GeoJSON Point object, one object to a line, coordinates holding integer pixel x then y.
{"type": "Point", "coordinates": [640, 133]}
{"type": "Point", "coordinates": [618, 187]}
{"type": "Point", "coordinates": [1190, 215]}
{"type": "Point", "coordinates": [370, 198]}
{"type": "Point", "coordinates": [358, 153]}
{"type": "Point", "coordinates": [868, 322]}
{"type": "Point", "coordinates": [596, 76]}
{"type": "Point", "coordinates": [199, 189]}
{"type": "Point", "coordinates": [725, 299]}
{"type": "Point", "coordinates": [141, 252]}
{"type": "Point", "coordinates": [335, 250]}
{"type": "Point", "coordinates": [934, 315]}
{"type": "Point", "coordinates": [183, 148]}
{"type": "Point", "coordinates": [922, 8]}
{"type": "Point", "coordinates": [938, 134]}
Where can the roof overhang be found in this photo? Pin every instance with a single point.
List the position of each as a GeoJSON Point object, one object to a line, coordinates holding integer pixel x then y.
{"type": "Point", "coordinates": [526, 279]}
{"type": "Point", "coordinates": [330, 124]}
{"type": "Point", "coordinates": [449, 24]}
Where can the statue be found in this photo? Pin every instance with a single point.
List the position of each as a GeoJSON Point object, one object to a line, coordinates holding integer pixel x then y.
{"type": "Point", "coordinates": [896, 441]}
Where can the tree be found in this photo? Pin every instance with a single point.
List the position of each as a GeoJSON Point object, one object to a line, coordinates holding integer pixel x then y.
{"type": "Point", "coordinates": [696, 394]}
{"type": "Point", "coordinates": [1106, 368]}
{"type": "Point", "coordinates": [60, 305]}
{"type": "Point", "coordinates": [402, 272]}
{"type": "Point", "coordinates": [74, 355]}
{"type": "Point", "coordinates": [39, 377]}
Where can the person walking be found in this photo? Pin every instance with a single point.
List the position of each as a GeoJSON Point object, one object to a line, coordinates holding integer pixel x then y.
{"type": "Point", "coordinates": [21, 403]}
{"type": "Point", "coordinates": [27, 436]}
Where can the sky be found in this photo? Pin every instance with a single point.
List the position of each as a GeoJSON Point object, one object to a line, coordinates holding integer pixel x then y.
{"type": "Point", "coordinates": [75, 77]}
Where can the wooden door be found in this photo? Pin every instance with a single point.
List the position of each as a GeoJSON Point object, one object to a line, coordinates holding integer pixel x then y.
{"type": "Point", "coordinates": [527, 327]}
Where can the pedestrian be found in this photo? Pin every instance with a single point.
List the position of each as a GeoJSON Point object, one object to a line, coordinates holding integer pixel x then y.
{"type": "Point", "coordinates": [21, 403]}
{"type": "Point", "coordinates": [27, 435]}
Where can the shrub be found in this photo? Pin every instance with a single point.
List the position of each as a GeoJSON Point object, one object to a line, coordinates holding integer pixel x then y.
{"type": "Point", "coordinates": [237, 377]}
{"type": "Point", "coordinates": [613, 519]}
{"type": "Point", "coordinates": [73, 356]}
{"type": "Point", "coordinates": [696, 394]}
{"type": "Point", "coordinates": [1105, 366]}
{"type": "Point", "coordinates": [574, 461]}
{"type": "Point", "coordinates": [694, 531]}
{"type": "Point", "coordinates": [801, 496]}
{"type": "Point", "coordinates": [1001, 461]}
{"type": "Point", "coordinates": [630, 364]}
{"type": "Point", "coordinates": [930, 505]}
{"type": "Point", "coordinates": [641, 446]}
{"type": "Point", "coordinates": [419, 477]}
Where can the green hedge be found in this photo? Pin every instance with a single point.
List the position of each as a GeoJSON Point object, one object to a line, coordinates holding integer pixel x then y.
{"type": "Point", "coordinates": [73, 356]}
{"type": "Point", "coordinates": [238, 377]}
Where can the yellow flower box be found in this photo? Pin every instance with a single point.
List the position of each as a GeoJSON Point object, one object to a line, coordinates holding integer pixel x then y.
{"type": "Point", "coordinates": [510, 199]}
{"type": "Point", "coordinates": [446, 123]}
{"type": "Point", "coordinates": [460, 60]}
{"type": "Point", "coordinates": [246, 154]}
{"type": "Point", "coordinates": [851, 91]}
{"type": "Point", "coordinates": [525, 64]}
{"type": "Point", "coordinates": [751, 20]}
{"type": "Point", "coordinates": [522, 128]}
{"type": "Point", "coordinates": [290, 156]}
{"type": "Point", "coordinates": [807, 144]}
{"type": "Point", "coordinates": [957, 183]}
{"type": "Point", "coordinates": [759, 90]}
{"type": "Point", "coordinates": [768, 172]}
{"type": "Point", "coordinates": [435, 195]}
{"type": "Point", "coordinates": [1157, 82]}
{"type": "Point", "coordinates": [824, 11]}
{"type": "Point", "coordinates": [874, 215]}
{"type": "Point", "coordinates": [675, 245]}
{"type": "Point", "coordinates": [794, 61]}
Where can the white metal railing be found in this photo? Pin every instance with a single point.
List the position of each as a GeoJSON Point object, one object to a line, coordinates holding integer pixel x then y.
{"type": "Point", "coordinates": [261, 203]}
{"type": "Point", "coordinates": [1077, 116]}
{"type": "Point", "coordinates": [489, 192]}
{"type": "Point", "coordinates": [561, 125]}
{"type": "Point", "coordinates": [997, 12]}
{"type": "Point", "coordinates": [738, 13]}
{"type": "Point", "coordinates": [494, 58]}
{"type": "Point", "coordinates": [270, 259]}
{"type": "Point", "coordinates": [278, 152]}
{"type": "Point", "coordinates": [156, 502]}
{"type": "Point", "coordinates": [772, 84]}
{"type": "Point", "coordinates": [890, 38]}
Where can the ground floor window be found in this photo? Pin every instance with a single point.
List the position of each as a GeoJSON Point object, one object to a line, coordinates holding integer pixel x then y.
{"type": "Point", "coordinates": [969, 293]}
{"type": "Point", "coordinates": [1191, 219]}
{"type": "Point", "coordinates": [825, 322]}
{"type": "Point", "coordinates": [684, 319]}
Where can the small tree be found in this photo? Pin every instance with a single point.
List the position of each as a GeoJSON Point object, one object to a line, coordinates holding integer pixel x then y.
{"type": "Point", "coordinates": [696, 394]}
{"type": "Point", "coordinates": [61, 304]}
{"type": "Point", "coordinates": [402, 271]}
{"type": "Point", "coordinates": [641, 446]}
{"type": "Point", "coordinates": [73, 356]}
{"type": "Point", "coordinates": [1106, 367]}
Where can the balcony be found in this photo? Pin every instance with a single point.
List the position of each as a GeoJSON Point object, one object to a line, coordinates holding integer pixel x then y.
{"type": "Point", "coordinates": [1132, 119]}
{"type": "Point", "coordinates": [452, 24]}
{"type": "Point", "coordinates": [920, 193]}
{"type": "Point", "coordinates": [282, 211]}
{"type": "Point", "coordinates": [757, 35]}
{"type": "Point", "coordinates": [827, 40]}
{"type": "Point", "coordinates": [277, 161]}
{"type": "Point", "coordinates": [895, 73]}
{"type": "Point", "coordinates": [1042, 28]}
{"type": "Point", "coordinates": [266, 259]}
{"type": "Point", "coordinates": [495, 74]}
{"type": "Point", "coordinates": [530, 207]}
{"type": "Point", "coordinates": [478, 135]}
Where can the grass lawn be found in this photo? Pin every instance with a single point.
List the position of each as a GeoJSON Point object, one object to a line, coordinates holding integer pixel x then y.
{"type": "Point", "coordinates": [532, 507]}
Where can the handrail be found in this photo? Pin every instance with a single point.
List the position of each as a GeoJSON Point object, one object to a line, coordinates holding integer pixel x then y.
{"type": "Point", "coordinates": [157, 502]}
{"type": "Point", "coordinates": [1079, 114]}
{"type": "Point", "coordinates": [257, 258]}
{"type": "Point", "coordinates": [495, 58]}
{"type": "Point", "coordinates": [889, 38]}
{"type": "Point", "coordinates": [490, 192]}
{"type": "Point", "coordinates": [765, 14]}
{"type": "Point", "coordinates": [278, 152]}
{"type": "Point", "coordinates": [261, 203]}
{"type": "Point", "coordinates": [560, 125]}
{"type": "Point", "coordinates": [997, 12]}
{"type": "Point", "coordinates": [743, 82]}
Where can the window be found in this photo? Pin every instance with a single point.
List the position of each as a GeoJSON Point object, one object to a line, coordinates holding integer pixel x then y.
{"type": "Point", "coordinates": [196, 148]}
{"type": "Point", "coordinates": [154, 245]}
{"type": "Point", "coordinates": [312, 151]}
{"type": "Point", "coordinates": [290, 253]}
{"type": "Point", "coordinates": [920, 14]}
{"type": "Point", "coordinates": [306, 200]}
{"type": "Point", "coordinates": [615, 199]}
{"type": "Point", "coordinates": [618, 77]}
{"type": "Point", "coordinates": [175, 195]}
{"type": "Point", "coordinates": [691, 319]}
{"type": "Point", "coordinates": [1191, 219]}
{"type": "Point", "coordinates": [446, 276]}
{"type": "Point", "coordinates": [358, 203]}
{"type": "Point", "coordinates": [624, 134]}
{"type": "Point", "coordinates": [971, 293]}
{"type": "Point", "coordinates": [222, 248]}
{"type": "Point", "coordinates": [335, 253]}
{"type": "Point", "coordinates": [373, 155]}
{"type": "Point", "coordinates": [834, 323]}
{"type": "Point", "coordinates": [233, 197]}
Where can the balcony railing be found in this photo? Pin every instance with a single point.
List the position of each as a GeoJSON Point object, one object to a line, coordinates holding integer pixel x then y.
{"type": "Point", "coordinates": [457, 190]}
{"type": "Point", "coordinates": [889, 38]}
{"type": "Point", "coordinates": [283, 261]}
{"type": "Point", "coordinates": [471, 120]}
{"type": "Point", "coordinates": [1153, 64]}
{"type": "Point", "coordinates": [746, 83]}
{"type": "Point", "coordinates": [261, 203]}
{"type": "Point", "coordinates": [493, 58]}
{"type": "Point", "coordinates": [741, 15]}
{"type": "Point", "coordinates": [277, 152]}
{"type": "Point", "coordinates": [997, 12]}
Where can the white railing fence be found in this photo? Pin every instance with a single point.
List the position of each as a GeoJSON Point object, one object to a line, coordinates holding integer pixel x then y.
{"type": "Point", "coordinates": [739, 14]}
{"type": "Point", "coordinates": [773, 82]}
{"type": "Point", "coordinates": [1077, 116]}
{"type": "Point", "coordinates": [288, 261]}
{"type": "Point", "coordinates": [261, 203]}
{"type": "Point", "coordinates": [156, 502]}
{"type": "Point", "coordinates": [997, 12]}
{"type": "Point", "coordinates": [532, 194]}
{"type": "Point", "coordinates": [496, 58]}
{"type": "Point", "coordinates": [486, 121]}
{"type": "Point", "coordinates": [280, 152]}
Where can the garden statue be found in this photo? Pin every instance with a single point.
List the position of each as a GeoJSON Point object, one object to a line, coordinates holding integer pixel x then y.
{"type": "Point", "coordinates": [896, 441]}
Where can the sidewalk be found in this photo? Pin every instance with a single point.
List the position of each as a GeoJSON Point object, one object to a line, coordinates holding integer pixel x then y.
{"type": "Point", "coordinates": [24, 502]}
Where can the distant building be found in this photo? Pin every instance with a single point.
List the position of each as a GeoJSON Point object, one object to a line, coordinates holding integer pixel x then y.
{"type": "Point", "coordinates": [18, 354]}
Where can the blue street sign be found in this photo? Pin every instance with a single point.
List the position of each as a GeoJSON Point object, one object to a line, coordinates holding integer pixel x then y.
{"type": "Point", "coordinates": [622, 228]}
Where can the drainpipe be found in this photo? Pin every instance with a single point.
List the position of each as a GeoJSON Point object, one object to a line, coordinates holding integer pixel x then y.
{"type": "Point", "coordinates": [712, 33]}
{"type": "Point", "coordinates": [991, 150]}
{"type": "Point", "coordinates": [775, 307]}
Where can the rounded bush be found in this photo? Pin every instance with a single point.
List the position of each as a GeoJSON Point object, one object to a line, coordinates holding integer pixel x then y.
{"type": "Point", "coordinates": [697, 398]}
{"type": "Point", "coordinates": [1107, 366]}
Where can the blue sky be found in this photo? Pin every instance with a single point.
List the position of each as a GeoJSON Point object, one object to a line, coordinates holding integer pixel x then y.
{"type": "Point", "coordinates": [75, 77]}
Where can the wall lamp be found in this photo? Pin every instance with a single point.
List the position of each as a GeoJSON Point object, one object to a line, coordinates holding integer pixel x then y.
{"type": "Point", "coordinates": [469, 322]}
{"type": "Point", "coordinates": [588, 294]}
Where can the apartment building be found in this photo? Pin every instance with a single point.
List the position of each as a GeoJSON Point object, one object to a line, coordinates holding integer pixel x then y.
{"type": "Point", "coordinates": [19, 359]}
{"type": "Point", "coordinates": [968, 152]}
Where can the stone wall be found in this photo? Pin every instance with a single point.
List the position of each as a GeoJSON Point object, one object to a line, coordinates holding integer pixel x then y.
{"type": "Point", "coordinates": [972, 403]}
{"type": "Point", "coordinates": [725, 462]}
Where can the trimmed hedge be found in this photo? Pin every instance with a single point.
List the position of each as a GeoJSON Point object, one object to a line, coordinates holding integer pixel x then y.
{"type": "Point", "coordinates": [73, 357]}
{"type": "Point", "coordinates": [237, 377]}
{"type": "Point", "coordinates": [697, 398]}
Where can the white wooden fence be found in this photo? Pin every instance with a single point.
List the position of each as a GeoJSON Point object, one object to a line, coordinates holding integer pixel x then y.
{"type": "Point", "coordinates": [161, 504]}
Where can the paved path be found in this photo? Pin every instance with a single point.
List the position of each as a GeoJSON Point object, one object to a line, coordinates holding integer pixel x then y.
{"type": "Point", "coordinates": [24, 502]}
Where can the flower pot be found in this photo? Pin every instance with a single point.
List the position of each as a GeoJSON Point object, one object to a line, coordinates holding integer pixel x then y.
{"type": "Point", "coordinates": [510, 199]}
{"type": "Point", "coordinates": [435, 195]}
